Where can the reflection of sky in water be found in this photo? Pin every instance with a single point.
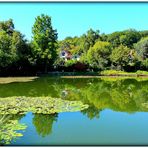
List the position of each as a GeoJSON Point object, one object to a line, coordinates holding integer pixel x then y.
{"type": "Point", "coordinates": [76, 128]}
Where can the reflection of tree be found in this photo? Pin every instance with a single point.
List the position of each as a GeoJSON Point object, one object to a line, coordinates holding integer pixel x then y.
{"type": "Point", "coordinates": [127, 95]}
{"type": "Point", "coordinates": [91, 112]}
{"type": "Point", "coordinates": [43, 123]}
{"type": "Point", "coordinates": [9, 126]}
{"type": "Point", "coordinates": [119, 94]}
{"type": "Point", "coordinates": [43, 86]}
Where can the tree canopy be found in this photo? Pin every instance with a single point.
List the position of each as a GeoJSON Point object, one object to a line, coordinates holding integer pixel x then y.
{"type": "Point", "coordinates": [126, 50]}
{"type": "Point", "coordinates": [44, 40]}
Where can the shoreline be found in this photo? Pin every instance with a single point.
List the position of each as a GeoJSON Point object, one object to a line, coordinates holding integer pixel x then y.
{"type": "Point", "coordinates": [74, 76]}
{"type": "Point", "coordinates": [108, 76]}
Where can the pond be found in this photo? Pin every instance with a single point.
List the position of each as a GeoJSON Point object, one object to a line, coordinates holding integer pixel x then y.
{"type": "Point", "coordinates": [74, 111]}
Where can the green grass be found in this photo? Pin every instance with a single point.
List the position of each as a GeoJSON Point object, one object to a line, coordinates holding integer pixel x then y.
{"type": "Point", "coordinates": [123, 73]}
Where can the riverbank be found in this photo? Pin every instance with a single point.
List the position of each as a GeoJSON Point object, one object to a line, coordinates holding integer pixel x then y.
{"type": "Point", "coordinates": [102, 74]}
{"type": "Point", "coordinates": [107, 76]}
{"type": "Point", "coordinates": [106, 73]}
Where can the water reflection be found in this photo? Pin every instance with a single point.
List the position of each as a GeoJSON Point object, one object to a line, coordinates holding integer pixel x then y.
{"type": "Point", "coordinates": [43, 123]}
{"type": "Point", "coordinates": [91, 112]}
{"type": "Point", "coordinates": [10, 128]}
{"type": "Point", "coordinates": [124, 95]}
{"type": "Point", "coordinates": [127, 95]}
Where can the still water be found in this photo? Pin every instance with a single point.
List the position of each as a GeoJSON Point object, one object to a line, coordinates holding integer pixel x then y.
{"type": "Point", "coordinates": [116, 112]}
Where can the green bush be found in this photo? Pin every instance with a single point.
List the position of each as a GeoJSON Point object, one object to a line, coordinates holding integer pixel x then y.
{"type": "Point", "coordinates": [113, 72]}
{"type": "Point", "coordinates": [122, 73]}
{"type": "Point", "coordinates": [140, 72]}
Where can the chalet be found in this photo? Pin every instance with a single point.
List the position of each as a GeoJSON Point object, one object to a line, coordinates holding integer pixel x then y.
{"type": "Point", "coordinates": [66, 55]}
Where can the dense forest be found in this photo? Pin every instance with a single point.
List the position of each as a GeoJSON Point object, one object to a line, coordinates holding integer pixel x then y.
{"type": "Point", "coordinates": [122, 50]}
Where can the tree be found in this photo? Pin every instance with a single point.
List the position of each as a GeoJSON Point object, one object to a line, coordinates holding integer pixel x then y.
{"type": "Point", "coordinates": [114, 38]}
{"type": "Point", "coordinates": [13, 47]}
{"type": "Point", "coordinates": [130, 37]}
{"type": "Point", "coordinates": [142, 51]}
{"type": "Point", "coordinates": [7, 55]}
{"type": "Point", "coordinates": [98, 55]}
{"type": "Point", "coordinates": [90, 38]}
{"type": "Point", "coordinates": [126, 38]}
{"type": "Point", "coordinates": [120, 56]}
{"type": "Point", "coordinates": [44, 41]}
{"type": "Point", "coordinates": [7, 26]}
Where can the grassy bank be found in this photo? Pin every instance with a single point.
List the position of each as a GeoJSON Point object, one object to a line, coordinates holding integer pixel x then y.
{"type": "Point", "coordinates": [123, 73]}
{"type": "Point", "coordinates": [106, 73]}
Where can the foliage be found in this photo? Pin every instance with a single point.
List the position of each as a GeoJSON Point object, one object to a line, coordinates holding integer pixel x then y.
{"type": "Point", "coordinates": [121, 57]}
{"type": "Point", "coordinates": [142, 51]}
{"type": "Point", "coordinates": [44, 40]}
{"type": "Point", "coordinates": [123, 73]}
{"type": "Point", "coordinates": [7, 54]}
{"type": "Point", "coordinates": [114, 38]}
{"type": "Point", "coordinates": [7, 26]}
{"type": "Point", "coordinates": [128, 49]}
{"type": "Point", "coordinates": [130, 37]}
{"type": "Point", "coordinates": [70, 63]}
{"type": "Point", "coordinates": [98, 55]}
{"type": "Point", "coordinates": [14, 50]}
{"type": "Point", "coordinates": [127, 38]}
{"type": "Point", "coordinates": [140, 72]}
{"type": "Point", "coordinates": [90, 38]}
{"type": "Point", "coordinates": [115, 72]}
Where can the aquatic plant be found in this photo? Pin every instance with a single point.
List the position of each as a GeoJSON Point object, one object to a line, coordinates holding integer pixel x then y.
{"type": "Point", "coordinates": [44, 105]}
{"type": "Point", "coordinates": [9, 128]}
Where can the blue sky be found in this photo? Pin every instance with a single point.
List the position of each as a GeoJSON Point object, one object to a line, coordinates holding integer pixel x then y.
{"type": "Point", "coordinates": [74, 19]}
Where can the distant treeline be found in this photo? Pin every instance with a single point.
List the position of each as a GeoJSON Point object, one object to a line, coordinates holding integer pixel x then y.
{"type": "Point", "coordinates": [122, 50]}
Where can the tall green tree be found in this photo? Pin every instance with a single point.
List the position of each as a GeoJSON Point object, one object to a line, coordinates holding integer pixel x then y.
{"type": "Point", "coordinates": [13, 47]}
{"type": "Point", "coordinates": [90, 38]}
{"type": "Point", "coordinates": [44, 41]}
{"type": "Point", "coordinates": [7, 54]}
{"type": "Point", "coordinates": [98, 55]}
